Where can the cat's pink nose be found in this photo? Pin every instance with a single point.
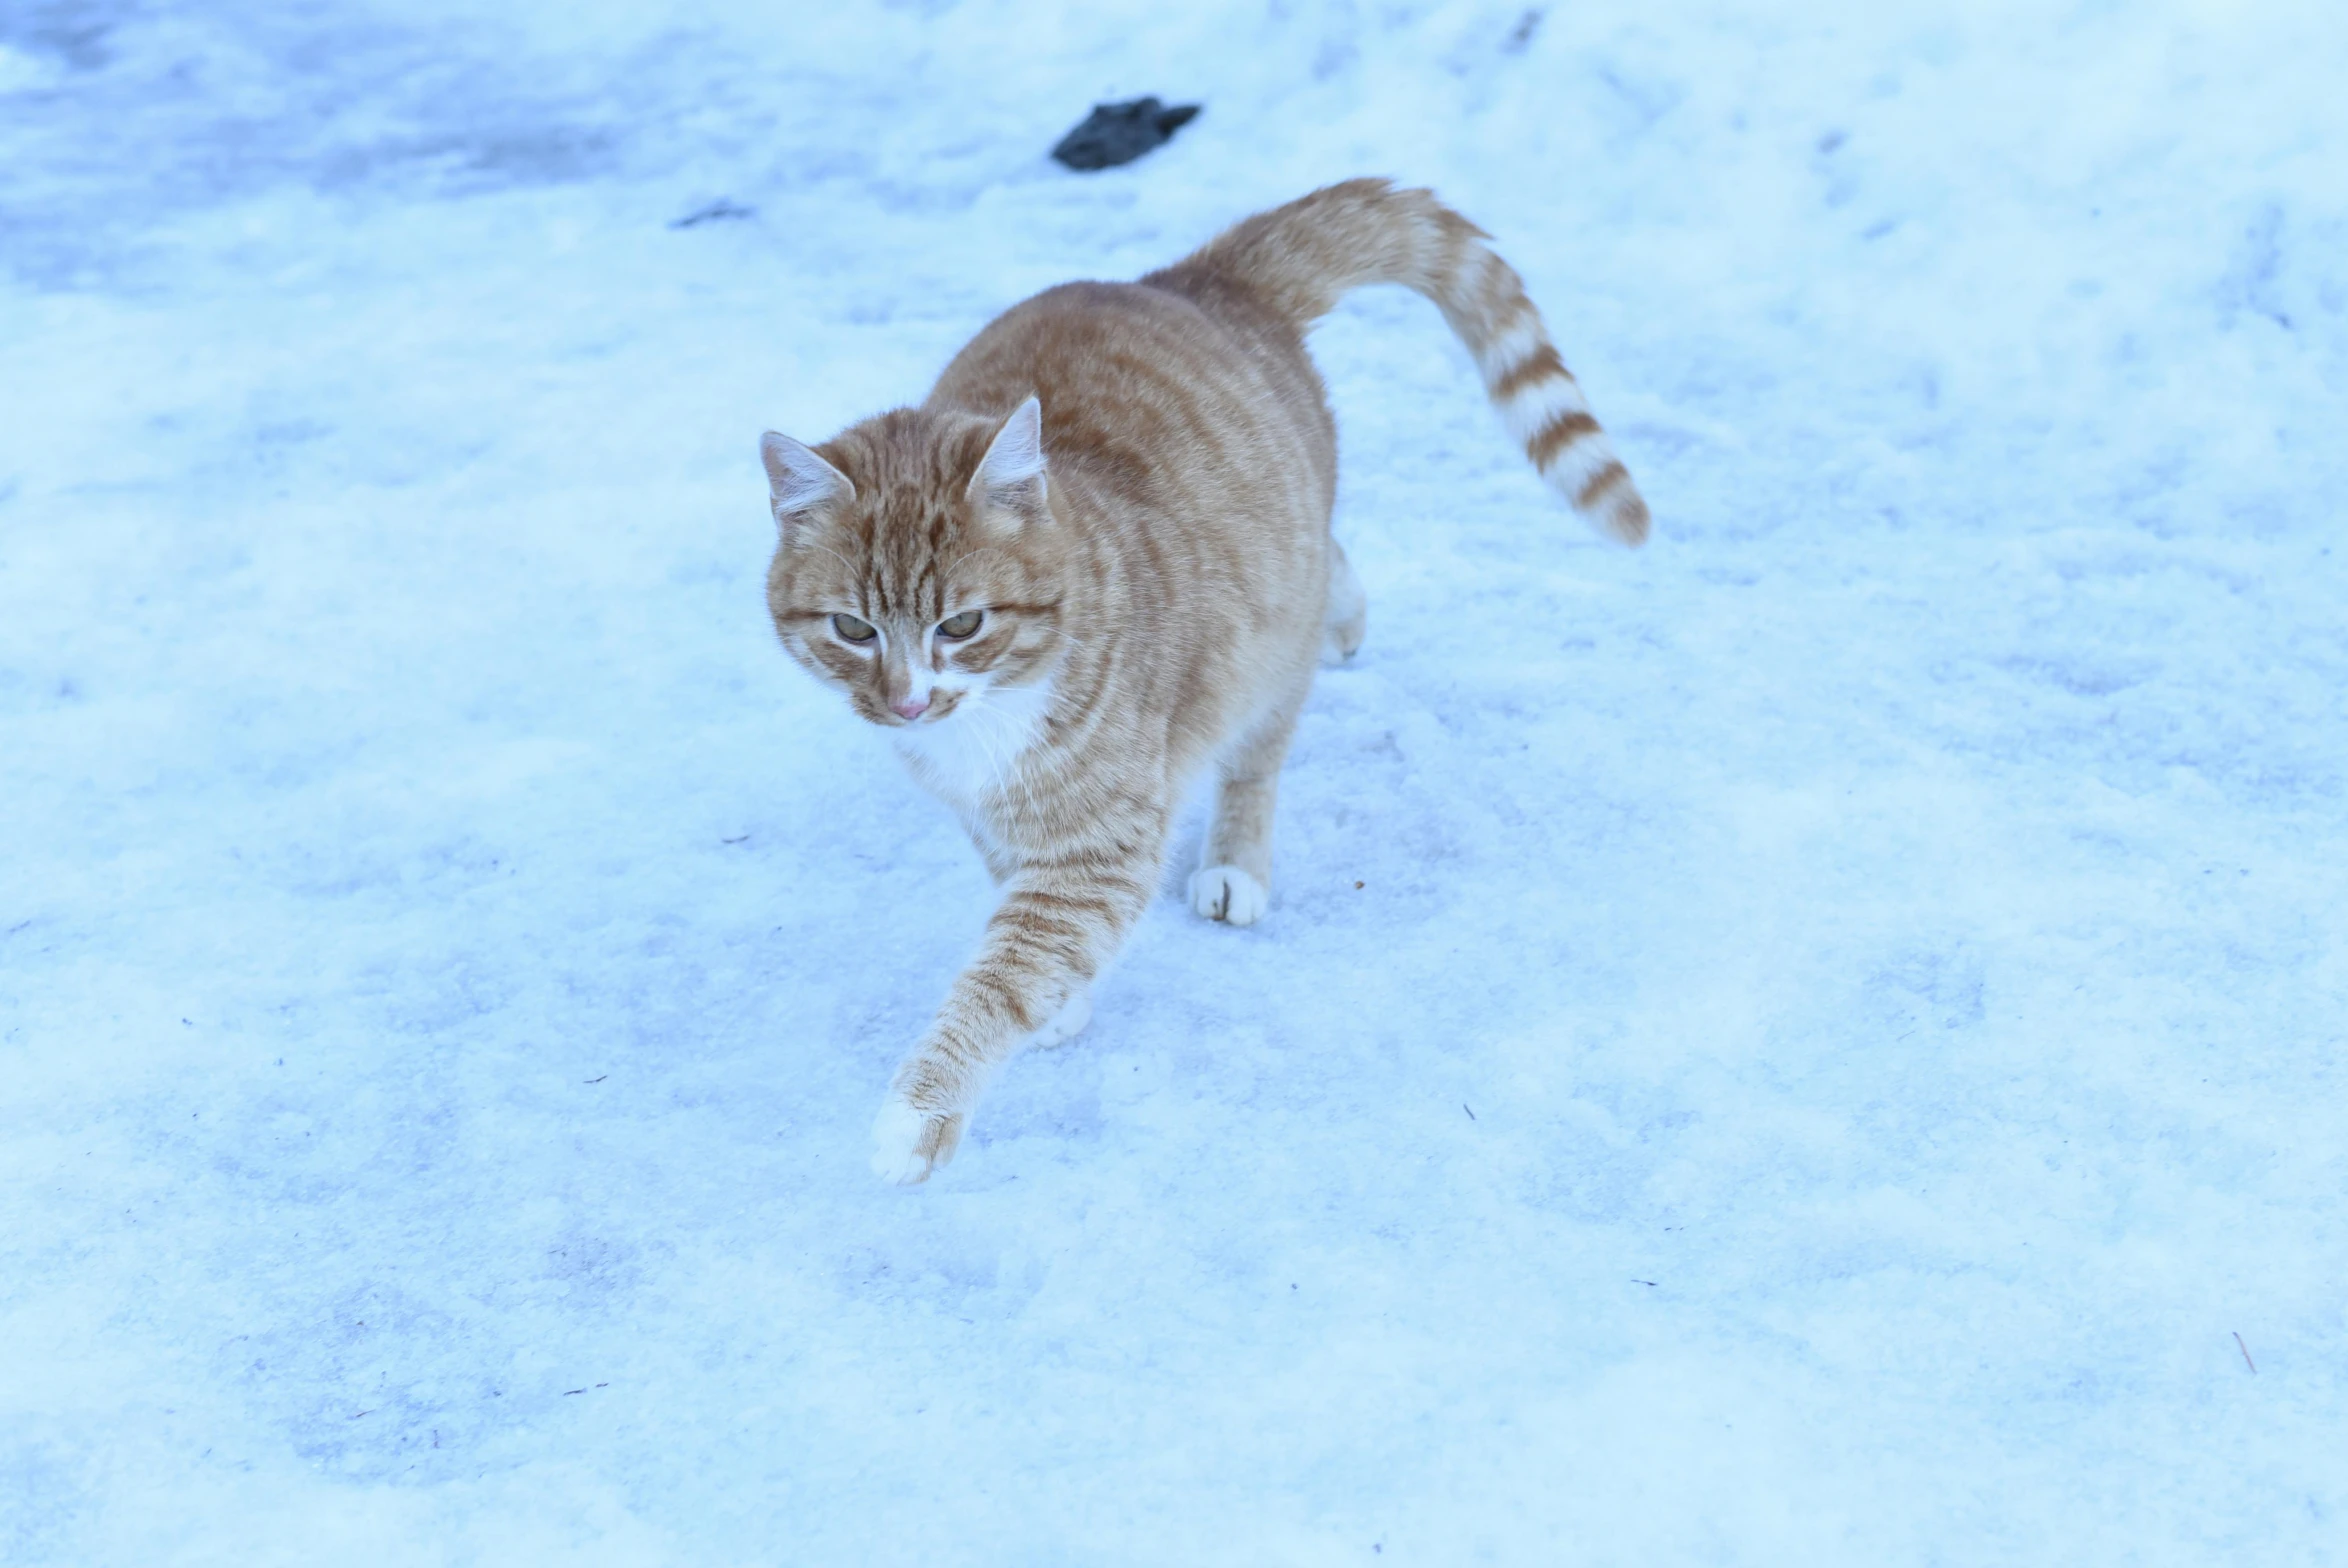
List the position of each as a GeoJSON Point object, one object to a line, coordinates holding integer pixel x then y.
{"type": "Point", "coordinates": [911, 707]}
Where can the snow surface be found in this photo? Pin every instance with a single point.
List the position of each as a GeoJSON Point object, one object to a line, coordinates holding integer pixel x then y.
{"type": "Point", "coordinates": [1803, 1045]}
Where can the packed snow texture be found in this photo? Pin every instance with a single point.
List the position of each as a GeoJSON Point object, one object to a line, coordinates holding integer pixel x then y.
{"type": "Point", "coordinates": [1818, 1042]}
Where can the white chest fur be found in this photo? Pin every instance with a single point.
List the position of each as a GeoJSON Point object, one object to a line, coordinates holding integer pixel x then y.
{"type": "Point", "coordinates": [977, 748]}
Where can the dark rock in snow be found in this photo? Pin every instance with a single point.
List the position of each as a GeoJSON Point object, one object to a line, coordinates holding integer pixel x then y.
{"type": "Point", "coordinates": [716, 212]}
{"type": "Point", "coordinates": [1117, 133]}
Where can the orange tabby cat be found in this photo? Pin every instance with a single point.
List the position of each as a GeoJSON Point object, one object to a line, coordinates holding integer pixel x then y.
{"type": "Point", "coordinates": [1097, 559]}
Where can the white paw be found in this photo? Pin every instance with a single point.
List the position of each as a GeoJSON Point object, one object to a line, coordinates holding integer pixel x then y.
{"type": "Point", "coordinates": [1068, 1022]}
{"type": "Point", "coordinates": [1230, 895]}
{"type": "Point", "coordinates": [908, 1143]}
{"type": "Point", "coordinates": [1348, 613]}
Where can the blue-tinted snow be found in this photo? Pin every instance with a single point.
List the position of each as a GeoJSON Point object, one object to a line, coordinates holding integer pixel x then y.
{"type": "Point", "coordinates": [1886, 934]}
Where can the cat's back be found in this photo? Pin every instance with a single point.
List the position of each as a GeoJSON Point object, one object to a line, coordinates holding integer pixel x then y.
{"type": "Point", "coordinates": [1139, 380]}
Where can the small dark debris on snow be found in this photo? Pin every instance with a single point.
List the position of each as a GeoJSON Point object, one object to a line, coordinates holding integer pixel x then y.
{"type": "Point", "coordinates": [1471, 1114]}
{"type": "Point", "coordinates": [1522, 34]}
{"type": "Point", "coordinates": [717, 211]}
{"type": "Point", "coordinates": [594, 1080]}
{"type": "Point", "coordinates": [1116, 133]}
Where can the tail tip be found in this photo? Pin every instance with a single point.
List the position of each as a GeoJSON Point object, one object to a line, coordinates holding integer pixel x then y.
{"type": "Point", "coordinates": [1625, 518]}
{"type": "Point", "coordinates": [1601, 491]}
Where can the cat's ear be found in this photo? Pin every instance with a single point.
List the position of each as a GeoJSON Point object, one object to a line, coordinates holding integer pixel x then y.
{"type": "Point", "coordinates": [1011, 475]}
{"type": "Point", "coordinates": [799, 481]}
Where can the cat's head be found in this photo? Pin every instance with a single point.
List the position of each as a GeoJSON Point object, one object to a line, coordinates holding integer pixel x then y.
{"type": "Point", "coordinates": [914, 572]}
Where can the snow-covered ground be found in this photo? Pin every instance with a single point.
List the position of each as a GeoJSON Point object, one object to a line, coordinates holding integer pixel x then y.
{"type": "Point", "coordinates": [1807, 1044]}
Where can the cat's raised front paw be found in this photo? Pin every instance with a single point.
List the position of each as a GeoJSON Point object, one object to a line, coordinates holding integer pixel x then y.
{"type": "Point", "coordinates": [1230, 895]}
{"type": "Point", "coordinates": [908, 1143]}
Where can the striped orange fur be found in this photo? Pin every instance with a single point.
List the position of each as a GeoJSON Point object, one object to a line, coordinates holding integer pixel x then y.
{"type": "Point", "coordinates": [1096, 561]}
{"type": "Point", "coordinates": [1307, 255]}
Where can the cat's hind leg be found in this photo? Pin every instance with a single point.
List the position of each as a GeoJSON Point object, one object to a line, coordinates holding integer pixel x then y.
{"type": "Point", "coordinates": [1234, 881]}
{"type": "Point", "coordinates": [1348, 615]}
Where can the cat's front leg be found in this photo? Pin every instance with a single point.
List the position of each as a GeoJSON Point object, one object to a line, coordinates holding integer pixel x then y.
{"type": "Point", "coordinates": [1057, 926]}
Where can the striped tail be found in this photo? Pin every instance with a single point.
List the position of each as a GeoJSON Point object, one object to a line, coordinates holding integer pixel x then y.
{"type": "Point", "coordinates": [1302, 258]}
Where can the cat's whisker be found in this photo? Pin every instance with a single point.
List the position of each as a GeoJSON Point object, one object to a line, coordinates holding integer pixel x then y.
{"type": "Point", "coordinates": [852, 569]}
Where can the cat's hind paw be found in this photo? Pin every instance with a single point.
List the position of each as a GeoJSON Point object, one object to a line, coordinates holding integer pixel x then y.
{"type": "Point", "coordinates": [1068, 1022]}
{"type": "Point", "coordinates": [909, 1143]}
{"type": "Point", "coordinates": [1348, 613]}
{"type": "Point", "coordinates": [1230, 895]}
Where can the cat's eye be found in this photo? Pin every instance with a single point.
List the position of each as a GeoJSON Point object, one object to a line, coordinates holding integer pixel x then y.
{"type": "Point", "coordinates": [853, 630]}
{"type": "Point", "coordinates": [956, 627]}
